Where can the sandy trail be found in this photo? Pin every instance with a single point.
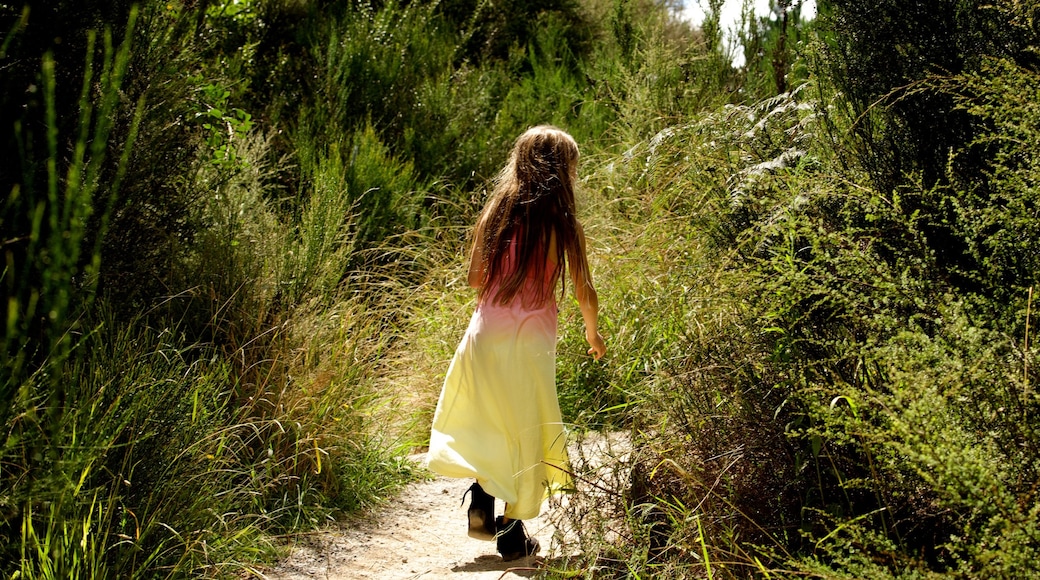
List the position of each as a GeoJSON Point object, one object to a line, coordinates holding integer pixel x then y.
{"type": "Point", "coordinates": [421, 534]}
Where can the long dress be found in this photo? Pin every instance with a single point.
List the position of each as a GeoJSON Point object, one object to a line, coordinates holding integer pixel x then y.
{"type": "Point", "coordinates": [498, 417]}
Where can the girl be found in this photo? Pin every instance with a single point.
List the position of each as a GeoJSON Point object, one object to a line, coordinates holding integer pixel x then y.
{"type": "Point", "coordinates": [498, 418]}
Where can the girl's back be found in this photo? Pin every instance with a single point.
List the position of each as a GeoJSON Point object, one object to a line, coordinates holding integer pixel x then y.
{"type": "Point", "coordinates": [536, 293]}
{"type": "Point", "coordinates": [528, 228]}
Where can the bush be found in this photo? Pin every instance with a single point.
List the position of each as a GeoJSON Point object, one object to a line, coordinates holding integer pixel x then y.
{"type": "Point", "coordinates": [182, 436]}
{"type": "Point", "coordinates": [883, 58]}
{"type": "Point", "coordinates": [819, 395]}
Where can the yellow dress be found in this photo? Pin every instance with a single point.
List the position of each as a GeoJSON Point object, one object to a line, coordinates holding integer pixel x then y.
{"type": "Point", "coordinates": [498, 417]}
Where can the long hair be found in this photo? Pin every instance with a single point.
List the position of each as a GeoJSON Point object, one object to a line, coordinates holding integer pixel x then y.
{"type": "Point", "coordinates": [532, 202]}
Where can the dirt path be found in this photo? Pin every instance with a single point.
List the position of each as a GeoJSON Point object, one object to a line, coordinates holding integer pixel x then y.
{"type": "Point", "coordinates": [421, 534]}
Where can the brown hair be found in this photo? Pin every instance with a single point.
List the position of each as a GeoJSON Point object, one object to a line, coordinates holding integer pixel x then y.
{"type": "Point", "coordinates": [532, 202]}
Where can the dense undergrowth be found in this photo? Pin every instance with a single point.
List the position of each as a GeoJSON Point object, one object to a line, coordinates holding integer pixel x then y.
{"type": "Point", "coordinates": [234, 236]}
{"type": "Point", "coordinates": [837, 327]}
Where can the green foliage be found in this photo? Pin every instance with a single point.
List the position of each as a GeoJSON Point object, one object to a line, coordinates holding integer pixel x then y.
{"type": "Point", "coordinates": [163, 462]}
{"type": "Point", "coordinates": [130, 450]}
{"type": "Point", "coordinates": [222, 125]}
{"type": "Point", "coordinates": [359, 196]}
{"type": "Point", "coordinates": [884, 58]}
{"type": "Point", "coordinates": [242, 12]}
{"type": "Point", "coordinates": [623, 27]}
{"type": "Point", "coordinates": [774, 45]}
{"type": "Point", "coordinates": [824, 398]}
{"type": "Point", "coordinates": [370, 61]}
{"type": "Point", "coordinates": [157, 211]}
{"type": "Point", "coordinates": [211, 257]}
{"type": "Point", "coordinates": [452, 132]}
{"type": "Point", "coordinates": [100, 500]}
{"type": "Point", "coordinates": [234, 248]}
{"type": "Point", "coordinates": [995, 218]}
{"type": "Point", "coordinates": [46, 229]}
{"type": "Point", "coordinates": [552, 89]}
{"type": "Point", "coordinates": [493, 30]}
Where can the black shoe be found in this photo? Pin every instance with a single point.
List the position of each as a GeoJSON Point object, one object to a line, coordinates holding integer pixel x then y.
{"type": "Point", "coordinates": [513, 541]}
{"type": "Point", "coordinates": [481, 513]}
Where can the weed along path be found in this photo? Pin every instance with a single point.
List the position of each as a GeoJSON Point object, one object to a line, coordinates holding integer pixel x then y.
{"type": "Point", "coordinates": [421, 533]}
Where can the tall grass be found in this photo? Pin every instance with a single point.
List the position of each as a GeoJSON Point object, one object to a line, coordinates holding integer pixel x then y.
{"type": "Point", "coordinates": [39, 290]}
{"type": "Point", "coordinates": [181, 440]}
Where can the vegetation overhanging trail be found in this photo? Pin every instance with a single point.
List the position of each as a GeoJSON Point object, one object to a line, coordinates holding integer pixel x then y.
{"type": "Point", "coordinates": [233, 236]}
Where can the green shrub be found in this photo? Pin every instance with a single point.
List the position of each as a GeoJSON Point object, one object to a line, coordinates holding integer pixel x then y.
{"type": "Point", "coordinates": [995, 217]}
{"type": "Point", "coordinates": [774, 47]}
{"type": "Point", "coordinates": [183, 436]}
{"type": "Point", "coordinates": [359, 196]}
{"type": "Point", "coordinates": [883, 58]}
{"type": "Point", "coordinates": [492, 31]}
{"type": "Point", "coordinates": [834, 404]}
{"type": "Point", "coordinates": [51, 267]}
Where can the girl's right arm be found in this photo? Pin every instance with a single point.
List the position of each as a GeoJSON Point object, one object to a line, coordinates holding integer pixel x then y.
{"type": "Point", "coordinates": [588, 300]}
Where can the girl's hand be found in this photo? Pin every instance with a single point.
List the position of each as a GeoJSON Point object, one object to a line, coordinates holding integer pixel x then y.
{"type": "Point", "coordinates": [598, 347]}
